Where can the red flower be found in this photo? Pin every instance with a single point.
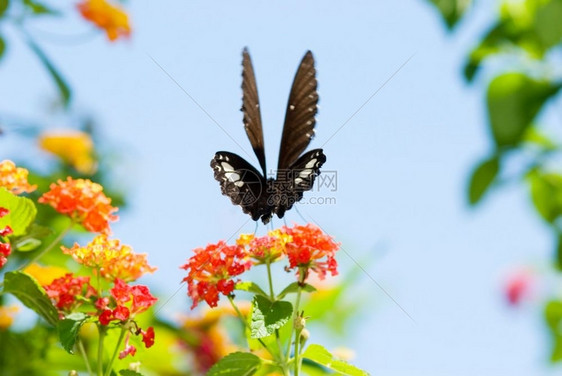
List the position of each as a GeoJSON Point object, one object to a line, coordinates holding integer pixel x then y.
{"type": "Point", "coordinates": [128, 301]}
{"type": "Point", "coordinates": [142, 299]}
{"type": "Point", "coordinates": [106, 316]}
{"type": "Point", "coordinates": [5, 248]}
{"type": "Point", "coordinates": [148, 337]}
{"type": "Point", "coordinates": [211, 270]}
{"type": "Point", "coordinates": [65, 290]}
{"type": "Point", "coordinates": [311, 249]}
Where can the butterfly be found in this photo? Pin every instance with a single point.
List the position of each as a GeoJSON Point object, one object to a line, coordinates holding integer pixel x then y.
{"type": "Point", "coordinates": [243, 183]}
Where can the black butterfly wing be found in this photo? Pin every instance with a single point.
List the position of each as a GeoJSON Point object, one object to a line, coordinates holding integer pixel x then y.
{"type": "Point", "coordinates": [240, 181]}
{"type": "Point", "coordinates": [300, 177]}
{"type": "Point", "coordinates": [298, 129]}
{"type": "Point", "coordinates": [251, 109]}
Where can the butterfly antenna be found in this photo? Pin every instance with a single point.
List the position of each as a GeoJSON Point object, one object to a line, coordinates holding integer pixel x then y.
{"type": "Point", "coordinates": [256, 228]}
{"type": "Point", "coordinates": [285, 221]}
{"type": "Point", "coordinates": [299, 213]}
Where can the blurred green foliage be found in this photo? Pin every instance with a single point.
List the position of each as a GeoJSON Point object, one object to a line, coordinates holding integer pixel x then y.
{"type": "Point", "coordinates": [523, 43]}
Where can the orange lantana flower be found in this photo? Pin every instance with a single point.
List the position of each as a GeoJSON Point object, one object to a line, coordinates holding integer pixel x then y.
{"type": "Point", "coordinates": [112, 259]}
{"type": "Point", "coordinates": [106, 16]}
{"type": "Point", "coordinates": [14, 178]}
{"type": "Point", "coordinates": [83, 201]}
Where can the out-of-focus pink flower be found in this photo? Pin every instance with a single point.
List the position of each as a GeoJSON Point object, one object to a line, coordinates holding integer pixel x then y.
{"type": "Point", "coordinates": [519, 286]}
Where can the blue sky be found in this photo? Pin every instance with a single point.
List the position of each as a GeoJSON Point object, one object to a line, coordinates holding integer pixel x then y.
{"type": "Point", "coordinates": [402, 161]}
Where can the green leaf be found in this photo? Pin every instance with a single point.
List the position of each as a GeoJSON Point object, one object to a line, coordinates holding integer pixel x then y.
{"type": "Point", "coordinates": [236, 364]}
{"type": "Point", "coordinates": [128, 372]}
{"type": "Point", "coordinates": [546, 193]}
{"type": "Point", "coordinates": [27, 290]}
{"type": "Point", "coordinates": [451, 10]}
{"type": "Point", "coordinates": [22, 212]}
{"type": "Point", "coordinates": [268, 316]}
{"type": "Point", "coordinates": [482, 178]}
{"type": "Point", "coordinates": [2, 46]}
{"type": "Point", "coordinates": [547, 24]}
{"type": "Point", "coordinates": [251, 287]}
{"type": "Point", "coordinates": [558, 255]}
{"type": "Point", "coordinates": [39, 8]}
{"type": "Point", "coordinates": [68, 329]}
{"type": "Point", "coordinates": [4, 4]}
{"type": "Point", "coordinates": [31, 240]}
{"type": "Point", "coordinates": [536, 137]}
{"type": "Point", "coordinates": [320, 355]}
{"type": "Point", "coordinates": [553, 317]}
{"type": "Point", "coordinates": [60, 82]}
{"type": "Point", "coordinates": [514, 100]}
{"type": "Point", "coordinates": [293, 288]}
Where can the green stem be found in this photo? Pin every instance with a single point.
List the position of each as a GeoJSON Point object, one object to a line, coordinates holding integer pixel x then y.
{"type": "Point", "coordinates": [271, 293]}
{"type": "Point", "coordinates": [84, 355]}
{"type": "Point", "coordinates": [116, 351]}
{"type": "Point", "coordinates": [48, 248]}
{"type": "Point", "coordinates": [277, 337]}
{"type": "Point", "coordinates": [297, 357]}
{"type": "Point", "coordinates": [295, 311]}
{"type": "Point", "coordinates": [102, 332]}
{"type": "Point", "coordinates": [241, 316]}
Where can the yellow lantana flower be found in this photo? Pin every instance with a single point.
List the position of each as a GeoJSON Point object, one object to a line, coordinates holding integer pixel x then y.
{"type": "Point", "coordinates": [45, 274]}
{"type": "Point", "coordinates": [7, 316]}
{"type": "Point", "coordinates": [73, 147]}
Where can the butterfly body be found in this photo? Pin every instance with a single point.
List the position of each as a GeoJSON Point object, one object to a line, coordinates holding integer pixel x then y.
{"type": "Point", "coordinates": [258, 195]}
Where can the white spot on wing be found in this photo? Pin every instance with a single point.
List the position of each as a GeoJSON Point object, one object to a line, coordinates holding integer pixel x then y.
{"type": "Point", "coordinates": [232, 176]}
{"type": "Point", "coordinates": [227, 167]}
{"type": "Point", "coordinates": [311, 163]}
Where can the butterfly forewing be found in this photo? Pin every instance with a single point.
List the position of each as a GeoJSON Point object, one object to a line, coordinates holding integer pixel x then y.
{"type": "Point", "coordinates": [240, 181]}
{"type": "Point", "coordinates": [298, 128]}
{"type": "Point", "coordinates": [251, 109]}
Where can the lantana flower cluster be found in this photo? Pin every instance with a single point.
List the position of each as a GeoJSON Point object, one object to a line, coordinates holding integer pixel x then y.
{"type": "Point", "coordinates": [121, 303]}
{"type": "Point", "coordinates": [83, 201]}
{"type": "Point", "coordinates": [111, 259]}
{"type": "Point", "coordinates": [212, 270]}
{"type": "Point", "coordinates": [14, 179]}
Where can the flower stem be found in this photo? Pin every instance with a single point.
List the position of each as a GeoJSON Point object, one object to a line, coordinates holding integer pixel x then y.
{"type": "Point", "coordinates": [102, 332]}
{"type": "Point", "coordinates": [116, 351]}
{"type": "Point", "coordinates": [277, 337]}
{"type": "Point", "coordinates": [49, 247]}
{"type": "Point", "coordinates": [295, 311]}
{"type": "Point", "coordinates": [297, 357]}
{"type": "Point", "coordinates": [84, 355]}
{"type": "Point", "coordinates": [271, 293]}
{"type": "Point", "coordinates": [246, 325]}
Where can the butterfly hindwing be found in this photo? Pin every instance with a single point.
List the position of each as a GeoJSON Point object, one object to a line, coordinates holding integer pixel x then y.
{"type": "Point", "coordinates": [240, 181]}
{"type": "Point", "coordinates": [298, 178]}
{"type": "Point", "coordinates": [251, 109]}
{"type": "Point", "coordinates": [298, 128]}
